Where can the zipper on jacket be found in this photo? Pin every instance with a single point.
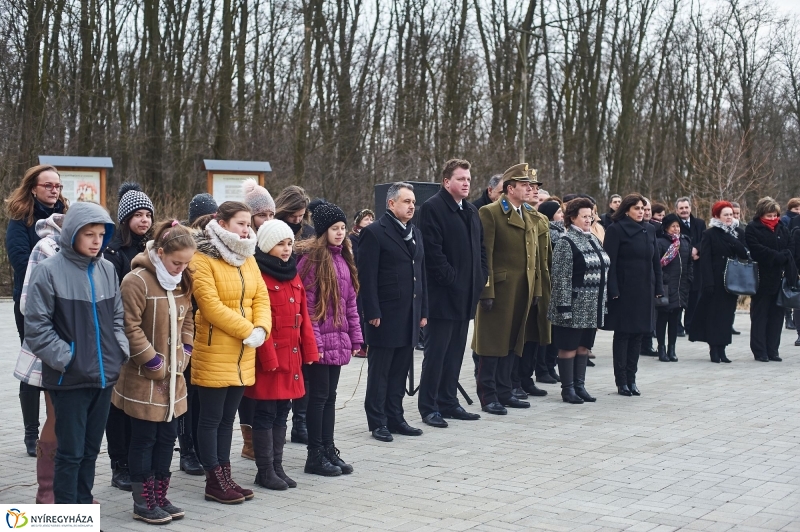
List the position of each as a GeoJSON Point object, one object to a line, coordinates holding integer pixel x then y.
{"type": "Point", "coordinates": [210, 332]}
{"type": "Point", "coordinates": [241, 309]}
{"type": "Point", "coordinates": [96, 328]}
{"type": "Point", "coordinates": [71, 358]}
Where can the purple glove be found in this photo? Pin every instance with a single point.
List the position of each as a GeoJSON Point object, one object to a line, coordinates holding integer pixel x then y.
{"type": "Point", "coordinates": [187, 349]}
{"type": "Point", "coordinates": [155, 364]}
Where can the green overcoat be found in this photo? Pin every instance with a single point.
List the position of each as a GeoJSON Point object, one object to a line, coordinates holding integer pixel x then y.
{"type": "Point", "coordinates": [538, 327]}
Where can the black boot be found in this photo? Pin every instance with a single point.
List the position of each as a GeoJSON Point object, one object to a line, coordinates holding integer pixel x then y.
{"type": "Point", "coordinates": [646, 350]}
{"type": "Point", "coordinates": [318, 464]}
{"type": "Point", "coordinates": [671, 353]}
{"type": "Point", "coordinates": [714, 353]}
{"type": "Point", "coordinates": [120, 476]}
{"type": "Point", "coordinates": [299, 429]}
{"type": "Point", "coordinates": [263, 450]}
{"type": "Point", "coordinates": [722, 356]}
{"type": "Point", "coordinates": [566, 370]}
{"type": "Point", "coordinates": [189, 462]}
{"type": "Point", "coordinates": [145, 503]}
{"type": "Point", "coordinates": [332, 454]}
{"type": "Point", "coordinates": [29, 403]}
{"type": "Point", "coordinates": [580, 378]}
{"type": "Point", "coordinates": [662, 354]}
{"type": "Point", "coordinates": [278, 441]}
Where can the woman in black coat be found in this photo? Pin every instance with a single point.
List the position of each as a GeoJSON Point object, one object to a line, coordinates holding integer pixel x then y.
{"type": "Point", "coordinates": [768, 241]}
{"type": "Point", "coordinates": [634, 281]}
{"type": "Point", "coordinates": [675, 250]}
{"type": "Point", "coordinates": [713, 319]}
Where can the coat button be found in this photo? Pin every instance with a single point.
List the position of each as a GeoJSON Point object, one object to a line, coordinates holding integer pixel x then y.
{"type": "Point", "coordinates": [296, 377]}
{"type": "Point", "coordinates": [277, 287]}
{"type": "Point", "coordinates": [415, 278]}
{"type": "Point", "coordinates": [294, 350]}
{"type": "Point", "coordinates": [291, 300]}
{"type": "Point", "coordinates": [276, 344]}
{"type": "Point", "coordinates": [415, 295]}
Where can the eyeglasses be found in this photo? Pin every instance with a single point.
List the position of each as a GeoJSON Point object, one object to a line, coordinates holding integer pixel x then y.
{"type": "Point", "coordinates": [50, 186]}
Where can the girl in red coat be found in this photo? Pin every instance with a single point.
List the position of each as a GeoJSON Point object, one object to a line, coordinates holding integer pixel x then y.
{"type": "Point", "coordinates": [279, 360]}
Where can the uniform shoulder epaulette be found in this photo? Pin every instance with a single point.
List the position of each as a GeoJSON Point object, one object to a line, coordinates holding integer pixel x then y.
{"type": "Point", "coordinates": [505, 206]}
{"type": "Point", "coordinates": [528, 207]}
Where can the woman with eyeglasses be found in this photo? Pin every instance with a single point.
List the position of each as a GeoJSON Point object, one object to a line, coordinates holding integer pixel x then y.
{"type": "Point", "coordinates": [36, 198]}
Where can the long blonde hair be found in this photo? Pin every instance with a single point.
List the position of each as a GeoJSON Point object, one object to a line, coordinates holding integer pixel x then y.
{"type": "Point", "coordinates": [319, 257]}
{"type": "Point", "coordinates": [20, 205]}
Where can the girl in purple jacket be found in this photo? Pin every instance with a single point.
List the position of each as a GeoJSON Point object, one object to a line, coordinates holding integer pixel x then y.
{"type": "Point", "coordinates": [328, 271]}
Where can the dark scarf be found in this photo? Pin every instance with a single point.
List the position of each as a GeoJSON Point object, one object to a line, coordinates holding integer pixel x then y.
{"type": "Point", "coordinates": [275, 267]}
{"type": "Point", "coordinates": [406, 233]}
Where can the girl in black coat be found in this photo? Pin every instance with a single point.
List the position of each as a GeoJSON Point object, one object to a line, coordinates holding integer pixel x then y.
{"type": "Point", "coordinates": [675, 250]}
{"type": "Point", "coordinates": [768, 241]}
{"type": "Point", "coordinates": [634, 281]}
{"type": "Point", "coordinates": [713, 321]}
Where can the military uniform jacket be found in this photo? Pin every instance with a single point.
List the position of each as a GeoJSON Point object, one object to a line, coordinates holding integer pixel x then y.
{"type": "Point", "coordinates": [538, 327]}
{"type": "Point", "coordinates": [511, 253]}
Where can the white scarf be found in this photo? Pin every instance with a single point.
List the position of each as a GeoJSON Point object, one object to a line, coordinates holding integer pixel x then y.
{"type": "Point", "coordinates": [730, 229]}
{"type": "Point", "coordinates": [167, 281]}
{"type": "Point", "coordinates": [234, 250]}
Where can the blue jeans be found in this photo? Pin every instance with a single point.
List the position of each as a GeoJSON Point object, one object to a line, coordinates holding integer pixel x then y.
{"type": "Point", "coordinates": [81, 416]}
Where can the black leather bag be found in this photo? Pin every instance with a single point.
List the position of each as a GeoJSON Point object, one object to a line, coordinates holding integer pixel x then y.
{"type": "Point", "coordinates": [789, 296]}
{"type": "Point", "coordinates": [663, 301]}
{"type": "Point", "coordinates": [741, 277]}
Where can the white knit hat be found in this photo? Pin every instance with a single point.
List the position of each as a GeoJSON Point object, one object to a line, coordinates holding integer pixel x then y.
{"type": "Point", "coordinates": [272, 232]}
{"type": "Point", "coordinates": [256, 197]}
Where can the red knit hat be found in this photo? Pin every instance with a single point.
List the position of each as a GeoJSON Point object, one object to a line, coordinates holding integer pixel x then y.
{"type": "Point", "coordinates": [716, 210]}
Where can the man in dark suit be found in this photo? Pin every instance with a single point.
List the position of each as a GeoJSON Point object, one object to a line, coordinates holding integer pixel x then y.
{"type": "Point", "coordinates": [694, 228]}
{"type": "Point", "coordinates": [391, 272]}
{"type": "Point", "coordinates": [613, 205]}
{"type": "Point", "coordinates": [491, 192]}
{"type": "Point", "coordinates": [455, 261]}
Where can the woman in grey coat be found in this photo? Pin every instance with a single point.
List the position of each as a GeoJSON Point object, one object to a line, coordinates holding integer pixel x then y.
{"type": "Point", "coordinates": [578, 300]}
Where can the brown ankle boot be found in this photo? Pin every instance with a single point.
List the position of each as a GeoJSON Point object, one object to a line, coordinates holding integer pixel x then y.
{"type": "Point", "coordinates": [218, 489]}
{"type": "Point", "coordinates": [45, 469]}
{"type": "Point", "coordinates": [247, 448]}
{"type": "Point", "coordinates": [226, 471]}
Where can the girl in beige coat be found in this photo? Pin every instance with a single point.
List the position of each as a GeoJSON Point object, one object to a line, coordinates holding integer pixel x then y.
{"type": "Point", "coordinates": [157, 296]}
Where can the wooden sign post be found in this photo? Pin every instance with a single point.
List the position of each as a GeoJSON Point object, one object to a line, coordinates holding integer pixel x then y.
{"type": "Point", "coordinates": [225, 177]}
{"type": "Point", "coordinates": [84, 178]}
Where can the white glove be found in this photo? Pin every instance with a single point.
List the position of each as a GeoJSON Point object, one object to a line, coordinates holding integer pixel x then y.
{"type": "Point", "coordinates": [256, 337]}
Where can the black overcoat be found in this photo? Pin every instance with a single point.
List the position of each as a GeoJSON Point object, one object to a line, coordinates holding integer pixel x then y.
{"type": "Point", "coordinates": [769, 250]}
{"type": "Point", "coordinates": [677, 275]}
{"type": "Point", "coordinates": [393, 286]}
{"type": "Point", "coordinates": [697, 226]}
{"type": "Point", "coordinates": [713, 318]}
{"type": "Point", "coordinates": [484, 200]}
{"type": "Point", "coordinates": [634, 278]}
{"type": "Point", "coordinates": [455, 258]}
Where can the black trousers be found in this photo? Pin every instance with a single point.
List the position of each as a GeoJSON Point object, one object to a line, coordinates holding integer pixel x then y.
{"type": "Point", "coordinates": [269, 414]}
{"type": "Point", "coordinates": [80, 417]}
{"type": "Point", "coordinates": [387, 371]}
{"type": "Point", "coordinates": [118, 437]}
{"type": "Point", "coordinates": [187, 423]}
{"type": "Point", "coordinates": [215, 427]}
{"type": "Point", "coordinates": [766, 325]}
{"type": "Point", "coordinates": [667, 319]}
{"type": "Point", "coordinates": [300, 405]}
{"type": "Point", "coordinates": [626, 347]}
{"type": "Point", "coordinates": [321, 414]}
{"type": "Point", "coordinates": [151, 448]}
{"type": "Point", "coordinates": [247, 409]}
{"type": "Point", "coordinates": [526, 365]}
{"type": "Point", "coordinates": [494, 378]}
{"type": "Point", "coordinates": [445, 341]}
{"type": "Point", "coordinates": [691, 305]}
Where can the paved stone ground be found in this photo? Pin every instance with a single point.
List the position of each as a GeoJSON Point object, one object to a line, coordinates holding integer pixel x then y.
{"type": "Point", "coordinates": [706, 447]}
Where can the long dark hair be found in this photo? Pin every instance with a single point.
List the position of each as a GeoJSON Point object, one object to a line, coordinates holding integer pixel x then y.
{"type": "Point", "coordinates": [627, 202]}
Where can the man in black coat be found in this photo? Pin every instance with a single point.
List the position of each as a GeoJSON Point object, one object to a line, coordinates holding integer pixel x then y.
{"type": "Point", "coordinates": [491, 192]}
{"type": "Point", "coordinates": [613, 205]}
{"type": "Point", "coordinates": [694, 228]}
{"type": "Point", "coordinates": [391, 272]}
{"type": "Point", "coordinates": [455, 261]}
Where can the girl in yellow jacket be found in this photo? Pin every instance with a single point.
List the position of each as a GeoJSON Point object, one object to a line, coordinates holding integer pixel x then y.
{"type": "Point", "coordinates": [233, 318]}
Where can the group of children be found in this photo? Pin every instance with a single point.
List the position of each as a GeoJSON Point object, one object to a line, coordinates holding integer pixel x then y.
{"type": "Point", "coordinates": [231, 297]}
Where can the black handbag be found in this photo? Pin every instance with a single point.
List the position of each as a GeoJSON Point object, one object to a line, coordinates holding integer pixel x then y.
{"type": "Point", "coordinates": [788, 296]}
{"type": "Point", "coordinates": [741, 277]}
{"type": "Point", "coordinates": [663, 301]}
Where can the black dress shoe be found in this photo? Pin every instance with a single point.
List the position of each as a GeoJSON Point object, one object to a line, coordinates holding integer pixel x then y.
{"type": "Point", "coordinates": [434, 419]}
{"type": "Point", "coordinates": [121, 478]}
{"type": "Point", "coordinates": [405, 429]}
{"type": "Point", "coordinates": [588, 364]}
{"type": "Point", "coordinates": [552, 371]}
{"type": "Point", "coordinates": [459, 413]}
{"type": "Point", "coordinates": [624, 390]}
{"type": "Point", "coordinates": [495, 408]}
{"type": "Point", "coordinates": [190, 464]}
{"type": "Point", "coordinates": [762, 359]}
{"type": "Point", "coordinates": [634, 390]}
{"type": "Point", "coordinates": [734, 331]}
{"type": "Point", "coordinates": [533, 391]}
{"type": "Point", "coordinates": [546, 379]}
{"type": "Point", "coordinates": [30, 445]}
{"type": "Point", "coordinates": [382, 434]}
{"type": "Point", "coordinates": [519, 393]}
{"type": "Point", "coordinates": [648, 352]}
{"type": "Point", "coordinates": [776, 358]}
{"type": "Point", "coordinates": [513, 402]}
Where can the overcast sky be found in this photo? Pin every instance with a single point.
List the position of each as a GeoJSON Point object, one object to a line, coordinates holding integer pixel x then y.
{"type": "Point", "coordinates": [788, 6]}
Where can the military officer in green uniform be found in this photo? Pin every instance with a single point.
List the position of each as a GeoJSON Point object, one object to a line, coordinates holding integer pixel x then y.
{"type": "Point", "coordinates": [510, 236]}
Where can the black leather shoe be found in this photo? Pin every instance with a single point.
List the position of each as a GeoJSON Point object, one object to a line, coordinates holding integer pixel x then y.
{"type": "Point", "coordinates": [459, 413]}
{"type": "Point", "coordinates": [121, 478]}
{"type": "Point", "coordinates": [552, 373]}
{"type": "Point", "coordinates": [519, 393]}
{"type": "Point", "coordinates": [723, 358]}
{"type": "Point", "coordinates": [382, 434]}
{"type": "Point", "coordinates": [495, 408]}
{"type": "Point", "coordinates": [513, 402]}
{"type": "Point", "coordinates": [662, 354]}
{"type": "Point", "coordinates": [671, 353]}
{"type": "Point", "coordinates": [30, 445]}
{"type": "Point", "coordinates": [300, 432]}
{"type": "Point", "coordinates": [634, 390]}
{"type": "Point", "coordinates": [533, 391]}
{"type": "Point", "coordinates": [734, 331]}
{"type": "Point", "coordinates": [648, 352]}
{"type": "Point", "coordinates": [546, 379]}
{"type": "Point", "coordinates": [589, 364]}
{"type": "Point", "coordinates": [190, 464]}
{"type": "Point", "coordinates": [790, 325]}
{"type": "Point", "coordinates": [405, 429]}
{"type": "Point", "coordinates": [797, 342]}
{"type": "Point", "coordinates": [776, 358]}
{"type": "Point", "coordinates": [434, 419]}
{"type": "Point", "coordinates": [762, 359]}
{"type": "Point", "coordinates": [624, 390]}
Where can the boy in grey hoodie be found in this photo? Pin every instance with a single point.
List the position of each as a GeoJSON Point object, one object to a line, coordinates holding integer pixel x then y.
{"type": "Point", "coordinates": [75, 315]}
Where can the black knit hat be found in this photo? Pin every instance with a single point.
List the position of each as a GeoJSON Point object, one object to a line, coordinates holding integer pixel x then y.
{"type": "Point", "coordinates": [201, 205]}
{"type": "Point", "coordinates": [549, 208]}
{"type": "Point", "coordinates": [132, 199]}
{"type": "Point", "coordinates": [668, 220]}
{"type": "Point", "coordinates": [325, 215]}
